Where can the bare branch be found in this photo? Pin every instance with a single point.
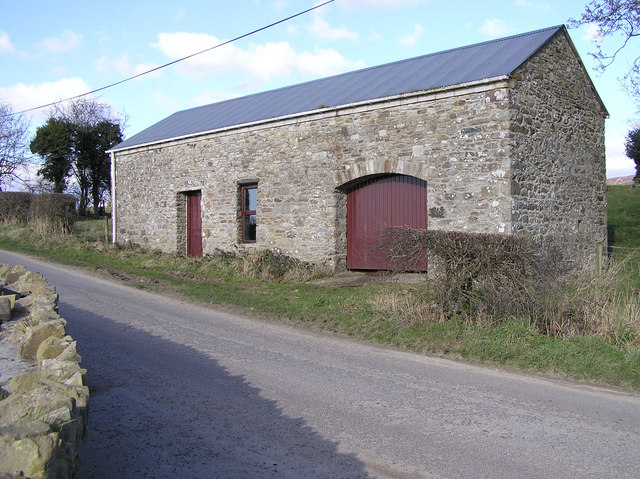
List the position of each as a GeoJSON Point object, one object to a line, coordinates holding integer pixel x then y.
{"type": "Point", "coordinates": [614, 18]}
{"type": "Point", "coordinates": [14, 157]}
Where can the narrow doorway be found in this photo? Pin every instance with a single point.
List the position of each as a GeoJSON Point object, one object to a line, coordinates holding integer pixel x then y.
{"type": "Point", "coordinates": [194, 224]}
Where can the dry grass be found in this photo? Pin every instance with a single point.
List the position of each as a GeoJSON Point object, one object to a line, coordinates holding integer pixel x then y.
{"type": "Point", "coordinates": [273, 265]}
{"type": "Point", "coordinates": [604, 306]}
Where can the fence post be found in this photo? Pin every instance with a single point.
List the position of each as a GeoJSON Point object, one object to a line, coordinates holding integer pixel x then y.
{"type": "Point", "coordinates": [598, 259]}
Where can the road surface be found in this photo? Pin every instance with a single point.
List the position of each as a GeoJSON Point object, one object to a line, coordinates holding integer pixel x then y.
{"type": "Point", "coordinates": [180, 390]}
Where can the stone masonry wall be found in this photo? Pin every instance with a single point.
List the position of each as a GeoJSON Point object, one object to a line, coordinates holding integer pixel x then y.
{"type": "Point", "coordinates": [43, 397]}
{"type": "Point", "coordinates": [456, 140]}
{"type": "Point", "coordinates": [557, 132]}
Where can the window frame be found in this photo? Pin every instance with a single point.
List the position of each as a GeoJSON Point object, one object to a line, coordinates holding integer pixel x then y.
{"type": "Point", "coordinates": [247, 213]}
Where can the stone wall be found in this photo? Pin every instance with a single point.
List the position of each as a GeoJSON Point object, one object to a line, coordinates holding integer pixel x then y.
{"type": "Point", "coordinates": [557, 133]}
{"type": "Point", "coordinates": [456, 140]}
{"type": "Point", "coordinates": [43, 397]}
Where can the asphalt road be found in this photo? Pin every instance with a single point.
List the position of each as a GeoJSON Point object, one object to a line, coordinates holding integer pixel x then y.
{"type": "Point", "coordinates": [180, 390]}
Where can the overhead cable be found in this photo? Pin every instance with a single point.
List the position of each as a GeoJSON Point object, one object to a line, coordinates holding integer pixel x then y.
{"type": "Point", "coordinates": [178, 60]}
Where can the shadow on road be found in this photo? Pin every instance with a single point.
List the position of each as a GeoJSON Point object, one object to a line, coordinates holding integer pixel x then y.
{"type": "Point", "coordinates": [161, 409]}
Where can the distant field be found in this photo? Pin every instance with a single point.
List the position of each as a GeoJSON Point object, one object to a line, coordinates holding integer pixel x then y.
{"type": "Point", "coordinates": [624, 216]}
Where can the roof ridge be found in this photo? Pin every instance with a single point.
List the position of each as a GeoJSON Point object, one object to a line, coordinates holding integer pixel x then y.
{"type": "Point", "coordinates": [464, 47]}
{"type": "Point", "coordinates": [376, 67]}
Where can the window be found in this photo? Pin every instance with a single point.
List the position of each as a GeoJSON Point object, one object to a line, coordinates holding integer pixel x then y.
{"type": "Point", "coordinates": [249, 201]}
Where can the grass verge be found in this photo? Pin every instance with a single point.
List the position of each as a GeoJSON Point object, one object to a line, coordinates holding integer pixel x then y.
{"type": "Point", "coordinates": [381, 313]}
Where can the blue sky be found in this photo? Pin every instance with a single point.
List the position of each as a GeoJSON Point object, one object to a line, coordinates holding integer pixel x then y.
{"type": "Point", "coordinates": [54, 50]}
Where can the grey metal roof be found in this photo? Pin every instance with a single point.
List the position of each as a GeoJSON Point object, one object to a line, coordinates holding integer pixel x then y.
{"type": "Point", "coordinates": [451, 67]}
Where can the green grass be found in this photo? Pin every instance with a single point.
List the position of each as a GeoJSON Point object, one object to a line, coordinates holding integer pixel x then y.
{"type": "Point", "coordinates": [361, 312]}
{"type": "Point", "coordinates": [623, 216]}
{"type": "Point", "coordinates": [624, 228]}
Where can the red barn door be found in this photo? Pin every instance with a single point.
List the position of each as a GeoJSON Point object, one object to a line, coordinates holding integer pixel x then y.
{"type": "Point", "coordinates": [194, 224]}
{"type": "Point", "coordinates": [377, 204]}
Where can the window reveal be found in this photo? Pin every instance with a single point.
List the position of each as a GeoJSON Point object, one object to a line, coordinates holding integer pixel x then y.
{"type": "Point", "coordinates": [249, 199]}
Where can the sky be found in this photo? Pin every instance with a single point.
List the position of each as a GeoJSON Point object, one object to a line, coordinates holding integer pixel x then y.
{"type": "Point", "coordinates": [50, 51]}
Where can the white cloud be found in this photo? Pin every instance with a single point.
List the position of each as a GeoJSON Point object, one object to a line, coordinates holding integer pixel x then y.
{"type": "Point", "coordinates": [321, 29]}
{"type": "Point", "coordinates": [5, 43]}
{"type": "Point", "coordinates": [545, 7]}
{"type": "Point", "coordinates": [592, 33]}
{"type": "Point", "coordinates": [122, 66]}
{"type": "Point", "coordinates": [23, 97]}
{"type": "Point", "coordinates": [145, 67]}
{"type": "Point", "coordinates": [324, 63]}
{"type": "Point", "coordinates": [410, 39]}
{"type": "Point", "coordinates": [618, 164]}
{"type": "Point", "coordinates": [67, 41]}
{"type": "Point", "coordinates": [213, 96]}
{"type": "Point", "coordinates": [165, 103]}
{"type": "Point", "coordinates": [261, 62]}
{"type": "Point", "coordinates": [280, 4]}
{"type": "Point", "coordinates": [495, 28]}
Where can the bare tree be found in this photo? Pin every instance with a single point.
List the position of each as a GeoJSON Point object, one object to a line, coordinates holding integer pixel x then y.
{"type": "Point", "coordinates": [615, 18]}
{"type": "Point", "coordinates": [14, 157]}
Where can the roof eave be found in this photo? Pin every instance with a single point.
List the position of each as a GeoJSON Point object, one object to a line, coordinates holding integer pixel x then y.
{"type": "Point", "coordinates": [433, 91]}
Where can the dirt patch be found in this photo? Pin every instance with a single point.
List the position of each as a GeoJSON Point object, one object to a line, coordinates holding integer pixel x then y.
{"type": "Point", "coordinates": [353, 279]}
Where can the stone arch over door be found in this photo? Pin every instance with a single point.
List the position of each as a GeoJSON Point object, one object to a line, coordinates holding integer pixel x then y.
{"type": "Point", "coordinates": [377, 202]}
{"type": "Point", "coordinates": [356, 170]}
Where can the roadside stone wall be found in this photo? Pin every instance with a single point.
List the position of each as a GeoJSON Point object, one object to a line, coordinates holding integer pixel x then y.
{"type": "Point", "coordinates": [557, 137]}
{"type": "Point", "coordinates": [456, 140]}
{"type": "Point", "coordinates": [43, 396]}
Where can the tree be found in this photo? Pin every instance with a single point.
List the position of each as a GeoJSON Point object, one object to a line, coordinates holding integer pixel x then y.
{"type": "Point", "coordinates": [93, 164]}
{"type": "Point", "coordinates": [53, 142]}
{"type": "Point", "coordinates": [14, 130]}
{"type": "Point", "coordinates": [632, 148]}
{"type": "Point", "coordinates": [613, 17]}
{"type": "Point", "coordinates": [74, 142]}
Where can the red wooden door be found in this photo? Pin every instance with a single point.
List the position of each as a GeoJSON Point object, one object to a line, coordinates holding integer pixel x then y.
{"type": "Point", "coordinates": [377, 204]}
{"type": "Point", "coordinates": [194, 224]}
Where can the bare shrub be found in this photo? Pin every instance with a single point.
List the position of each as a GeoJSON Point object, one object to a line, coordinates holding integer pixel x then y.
{"type": "Point", "coordinates": [14, 207]}
{"type": "Point", "coordinates": [53, 213]}
{"type": "Point", "coordinates": [473, 273]}
{"type": "Point", "coordinates": [47, 214]}
{"type": "Point", "coordinates": [269, 264]}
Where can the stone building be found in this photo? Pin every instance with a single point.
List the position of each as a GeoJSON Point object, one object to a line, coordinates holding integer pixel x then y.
{"type": "Point", "coordinates": [505, 136]}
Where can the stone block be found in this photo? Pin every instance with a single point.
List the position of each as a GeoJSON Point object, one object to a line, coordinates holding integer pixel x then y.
{"type": "Point", "coordinates": [36, 403]}
{"type": "Point", "coordinates": [13, 276]}
{"type": "Point", "coordinates": [27, 449]}
{"type": "Point", "coordinates": [5, 309]}
{"type": "Point", "coordinates": [42, 315]}
{"type": "Point", "coordinates": [34, 336]}
{"type": "Point", "coordinates": [34, 379]}
{"type": "Point", "coordinates": [12, 297]}
{"type": "Point", "coordinates": [51, 348]}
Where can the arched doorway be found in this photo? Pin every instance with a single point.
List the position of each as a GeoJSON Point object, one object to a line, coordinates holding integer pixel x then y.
{"type": "Point", "coordinates": [376, 204]}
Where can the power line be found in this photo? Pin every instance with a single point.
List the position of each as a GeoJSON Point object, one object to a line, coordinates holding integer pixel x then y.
{"type": "Point", "coordinates": [178, 60]}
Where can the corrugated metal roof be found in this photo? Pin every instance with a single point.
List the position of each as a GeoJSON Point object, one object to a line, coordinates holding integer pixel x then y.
{"type": "Point", "coordinates": [451, 67]}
